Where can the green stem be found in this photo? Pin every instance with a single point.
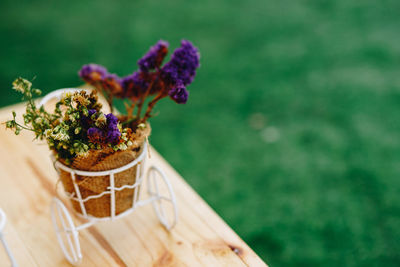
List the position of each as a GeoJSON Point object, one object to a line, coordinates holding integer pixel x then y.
{"type": "Point", "coordinates": [23, 127]}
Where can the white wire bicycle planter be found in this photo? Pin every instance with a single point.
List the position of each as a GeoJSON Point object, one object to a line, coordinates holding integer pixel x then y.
{"type": "Point", "coordinates": [66, 230]}
{"type": "Point", "coordinates": [3, 220]}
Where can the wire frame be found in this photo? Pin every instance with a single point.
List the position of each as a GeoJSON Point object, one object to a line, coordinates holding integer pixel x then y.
{"type": "Point", "coordinates": [66, 231]}
{"type": "Point", "coordinates": [111, 189]}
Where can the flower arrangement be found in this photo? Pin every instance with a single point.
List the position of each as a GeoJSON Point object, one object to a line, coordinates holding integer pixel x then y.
{"type": "Point", "coordinates": [78, 126]}
{"type": "Point", "coordinates": [151, 79]}
{"type": "Point", "coordinates": [83, 137]}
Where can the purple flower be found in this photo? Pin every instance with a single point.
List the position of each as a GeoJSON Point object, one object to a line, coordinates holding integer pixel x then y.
{"type": "Point", "coordinates": [93, 131]}
{"type": "Point", "coordinates": [112, 77]}
{"type": "Point", "coordinates": [154, 57]}
{"type": "Point", "coordinates": [182, 66]}
{"type": "Point", "coordinates": [92, 73]}
{"type": "Point", "coordinates": [179, 94]}
{"type": "Point", "coordinates": [111, 119]}
{"type": "Point", "coordinates": [95, 135]}
{"type": "Point", "coordinates": [169, 74]}
{"type": "Point", "coordinates": [110, 134]}
{"type": "Point", "coordinates": [91, 112]}
{"type": "Point", "coordinates": [136, 84]}
{"type": "Point", "coordinates": [113, 134]}
{"type": "Point", "coordinates": [86, 120]}
{"type": "Point", "coordinates": [138, 79]}
{"type": "Point", "coordinates": [113, 84]}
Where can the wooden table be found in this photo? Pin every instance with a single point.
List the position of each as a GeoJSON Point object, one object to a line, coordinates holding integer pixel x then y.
{"type": "Point", "coordinates": [27, 186]}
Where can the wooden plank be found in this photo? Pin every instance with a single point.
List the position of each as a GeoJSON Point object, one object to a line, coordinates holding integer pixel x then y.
{"type": "Point", "coordinates": [27, 185]}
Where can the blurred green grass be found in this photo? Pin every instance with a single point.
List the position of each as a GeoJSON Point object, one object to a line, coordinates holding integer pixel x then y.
{"type": "Point", "coordinates": [291, 132]}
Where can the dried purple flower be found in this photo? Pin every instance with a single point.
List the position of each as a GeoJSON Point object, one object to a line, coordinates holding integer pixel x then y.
{"type": "Point", "coordinates": [86, 120]}
{"type": "Point", "coordinates": [135, 85]}
{"type": "Point", "coordinates": [91, 112]}
{"type": "Point", "coordinates": [179, 94]}
{"type": "Point", "coordinates": [95, 135]}
{"type": "Point", "coordinates": [110, 134]}
{"type": "Point", "coordinates": [169, 74]}
{"type": "Point", "coordinates": [182, 66]}
{"type": "Point", "coordinates": [111, 119]}
{"type": "Point", "coordinates": [92, 73]}
{"type": "Point", "coordinates": [151, 79]}
{"type": "Point", "coordinates": [113, 84]}
{"type": "Point", "coordinates": [154, 57]}
{"type": "Point", "coordinates": [113, 134]}
{"type": "Point", "coordinates": [130, 89]}
{"type": "Point", "coordinates": [140, 80]}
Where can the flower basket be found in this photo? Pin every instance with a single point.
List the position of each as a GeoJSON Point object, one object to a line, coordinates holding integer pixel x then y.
{"type": "Point", "coordinates": [95, 195]}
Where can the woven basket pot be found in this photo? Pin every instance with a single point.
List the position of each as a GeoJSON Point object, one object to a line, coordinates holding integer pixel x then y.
{"type": "Point", "coordinates": [104, 160]}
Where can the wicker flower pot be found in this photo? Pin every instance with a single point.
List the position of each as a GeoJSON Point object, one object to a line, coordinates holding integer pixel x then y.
{"type": "Point", "coordinates": [95, 190]}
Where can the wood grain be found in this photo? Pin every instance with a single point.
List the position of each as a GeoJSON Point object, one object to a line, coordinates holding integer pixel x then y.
{"type": "Point", "coordinates": [27, 185]}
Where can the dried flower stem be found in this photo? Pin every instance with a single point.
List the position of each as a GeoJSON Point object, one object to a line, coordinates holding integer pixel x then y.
{"type": "Point", "coordinates": [22, 126]}
{"type": "Point", "coordinates": [152, 79]}
{"type": "Point", "coordinates": [151, 105]}
{"type": "Point", "coordinates": [140, 106]}
{"type": "Point", "coordinates": [129, 109]}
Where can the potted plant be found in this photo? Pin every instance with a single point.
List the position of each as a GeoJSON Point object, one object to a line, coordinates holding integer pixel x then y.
{"type": "Point", "coordinates": [82, 137]}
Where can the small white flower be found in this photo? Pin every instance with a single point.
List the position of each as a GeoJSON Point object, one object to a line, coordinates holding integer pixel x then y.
{"type": "Point", "coordinates": [122, 146]}
{"type": "Point", "coordinates": [83, 153]}
{"type": "Point", "coordinates": [72, 117]}
{"type": "Point", "coordinates": [62, 135]}
{"type": "Point", "coordinates": [21, 85]}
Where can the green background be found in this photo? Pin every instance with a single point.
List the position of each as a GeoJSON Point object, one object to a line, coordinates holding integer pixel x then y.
{"type": "Point", "coordinates": [292, 129]}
